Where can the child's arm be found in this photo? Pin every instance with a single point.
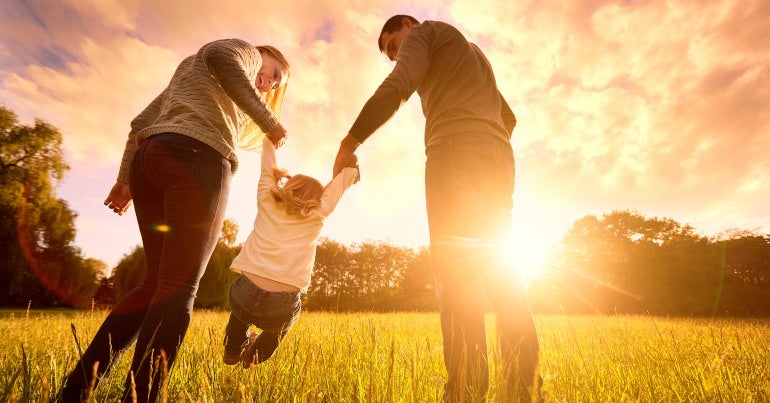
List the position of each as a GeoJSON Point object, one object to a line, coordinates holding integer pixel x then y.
{"type": "Point", "coordinates": [334, 190]}
{"type": "Point", "coordinates": [266, 178]}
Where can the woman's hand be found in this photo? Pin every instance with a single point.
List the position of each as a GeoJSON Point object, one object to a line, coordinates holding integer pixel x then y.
{"type": "Point", "coordinates": [119, 199]}
{"type": "Point", "coordinates": [278, 135]}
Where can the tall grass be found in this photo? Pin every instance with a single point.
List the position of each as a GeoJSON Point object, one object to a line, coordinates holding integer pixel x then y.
{"type": "Point", "coordinates": [398, 358]}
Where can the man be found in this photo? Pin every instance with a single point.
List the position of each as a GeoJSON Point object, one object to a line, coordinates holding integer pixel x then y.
{"type": "Point", "coordinates": [469, 178]}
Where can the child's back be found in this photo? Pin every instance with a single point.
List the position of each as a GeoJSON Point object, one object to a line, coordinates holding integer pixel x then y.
{"type": "Point", "coordinates": [281, 246]}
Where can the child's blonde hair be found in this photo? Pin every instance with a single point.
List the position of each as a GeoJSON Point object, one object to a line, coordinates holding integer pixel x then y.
{"type": "Point", "coordinates": [300, 194]}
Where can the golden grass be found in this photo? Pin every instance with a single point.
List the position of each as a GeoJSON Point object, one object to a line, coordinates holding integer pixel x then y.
{"type": "Point", "coordinates": [397, 357]}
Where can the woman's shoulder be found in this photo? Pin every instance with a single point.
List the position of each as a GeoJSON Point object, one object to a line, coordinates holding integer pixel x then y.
{"type": "Point", "coordinates": [230, 46]}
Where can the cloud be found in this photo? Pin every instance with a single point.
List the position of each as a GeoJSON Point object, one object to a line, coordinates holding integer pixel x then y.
{"type": "Point", "coordinates": [658, 106]}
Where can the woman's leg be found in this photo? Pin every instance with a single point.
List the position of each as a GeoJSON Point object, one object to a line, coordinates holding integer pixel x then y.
{"type": "Point", "coordinates": [192, 182]}
{"type": "Point", "coordinates": [121, 327]}
{"type": "Point", "coordinates": [116, 334]}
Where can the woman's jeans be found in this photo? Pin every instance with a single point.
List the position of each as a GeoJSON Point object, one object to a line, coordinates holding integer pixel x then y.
{"type": "Point", "coordinates": [469, 187]}
{"type": "Point", "coordinates": [273, 312]}
{"type": "Point", "coordinates": [179, 188]}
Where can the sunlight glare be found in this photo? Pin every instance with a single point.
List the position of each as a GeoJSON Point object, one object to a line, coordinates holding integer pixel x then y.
{"type": "Point", "coordinates": [525, 255]}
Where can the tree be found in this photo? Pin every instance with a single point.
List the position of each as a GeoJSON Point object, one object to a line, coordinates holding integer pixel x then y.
{"type": "Point", "coordinates": [215, 283]}
{"type": "Point", "coordinates": [623, 262]}
{"type": "Point", "coordinates": [129, 272]}
{"type": "Point", "coordinates": [746, 257]}
{"type": "Point", "coordinates": [418, 290]}
{"type": "Point", "coordinates": [366, 276]}
{"type": "Point", "coordinates": [41, 264]}
{"type": "Point", "coordinates": [332, 274]}
{"type": "Point", "coordinates": [380, 272]}
{"type": "Point", "coordinates": [229, 232]}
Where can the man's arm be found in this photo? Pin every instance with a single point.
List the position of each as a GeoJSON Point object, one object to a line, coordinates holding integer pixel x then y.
{"type": "Point", "coordinates": [407, 74]}
{"type": "Point", "coordinates": [376, 111]}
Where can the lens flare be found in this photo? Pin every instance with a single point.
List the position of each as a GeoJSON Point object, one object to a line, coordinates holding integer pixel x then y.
{"type": "Point", "coordinates": [162, 228]}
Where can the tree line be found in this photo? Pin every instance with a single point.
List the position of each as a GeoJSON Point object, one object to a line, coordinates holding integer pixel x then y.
{"type": "Point", "coordinates": [370, 276]}
{"type": "Point", "coordinates": [623, 262]}
{"type": "Point", "coordinates": [618, 263]}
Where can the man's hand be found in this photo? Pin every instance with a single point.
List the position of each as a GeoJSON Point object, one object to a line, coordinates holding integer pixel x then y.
{"type": "Point", "coordinates": [119, 199]}
{"type": "Point", "coordinates": [345, 154]}
{"type": "Point", "coordinates": [278, 135]}
{"type": "Point", "coordinates": [353, 163]}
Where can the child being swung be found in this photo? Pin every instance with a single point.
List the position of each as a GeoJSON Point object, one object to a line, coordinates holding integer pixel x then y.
{"type": "Point", "coordinates": [277, 259]}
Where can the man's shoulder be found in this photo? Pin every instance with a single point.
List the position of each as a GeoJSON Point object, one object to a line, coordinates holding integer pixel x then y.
{"type": "Point", "coordinates": [439, 28]}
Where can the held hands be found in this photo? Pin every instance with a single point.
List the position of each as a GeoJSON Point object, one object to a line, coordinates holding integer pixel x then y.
{"type": "Point", "coordinates": [277, 135]}
{"type": "Point", "coordinates": [119, 199]}
{"type": "Point", "coordinates": [345, 155]}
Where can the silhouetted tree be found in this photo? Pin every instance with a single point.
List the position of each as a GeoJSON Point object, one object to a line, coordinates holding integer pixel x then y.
{"type": "Point", "coordinates": [623, 262]}
{"type": "Point", "coordinates": [215, 283]}
{"type": "Point", "coordinates": [129, 272]}
{"type": "Point", "coordinates": [747, 257]}
{"type": "Point", "coordinates": [37, 232]}
{"type": "Point", "coordinates": [333, 276]}
{"type": "Point", "coordinates": [418, 289]}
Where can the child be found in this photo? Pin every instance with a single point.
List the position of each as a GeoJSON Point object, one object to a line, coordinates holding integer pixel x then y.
{"type": "Point", "coordinates": [277, 258]}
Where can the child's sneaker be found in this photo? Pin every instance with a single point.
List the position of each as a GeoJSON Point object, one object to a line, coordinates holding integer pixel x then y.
{"type": "Point", "coordinates": [249, 354]}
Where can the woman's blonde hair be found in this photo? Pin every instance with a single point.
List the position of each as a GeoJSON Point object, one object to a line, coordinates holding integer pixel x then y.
{"type": "Point", "coordinates": [252, 134]}
{"type": "Point", "coordinates": [300, 194]}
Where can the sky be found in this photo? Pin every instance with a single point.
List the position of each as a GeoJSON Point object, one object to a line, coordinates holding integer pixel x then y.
{"type": "Point", "coordinates": [659, 107]}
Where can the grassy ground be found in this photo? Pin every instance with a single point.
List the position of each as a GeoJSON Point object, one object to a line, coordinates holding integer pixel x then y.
{"type": "Point", "coordinates": [398, 358]}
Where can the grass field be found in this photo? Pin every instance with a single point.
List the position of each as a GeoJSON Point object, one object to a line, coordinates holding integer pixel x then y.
{"type": "Point", "coordinates": [397, 358]}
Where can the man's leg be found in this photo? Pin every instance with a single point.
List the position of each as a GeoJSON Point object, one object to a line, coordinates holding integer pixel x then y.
{"type": "Point", "coordinates": [517, 337]}
{"type": "Point", "coordinates": [462, 324]}
{"type": "Point", "coordinates": [457, 199]}
{"type": "Point", "coordinates": [515, 325]}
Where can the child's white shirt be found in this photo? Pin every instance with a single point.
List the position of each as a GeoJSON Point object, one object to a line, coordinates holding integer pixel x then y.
{"type": "Point", "coordinates": [282, 247]}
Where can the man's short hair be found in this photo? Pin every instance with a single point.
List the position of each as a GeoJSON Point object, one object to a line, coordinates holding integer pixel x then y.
{"type": "Point", "coordinates": [393, 24]}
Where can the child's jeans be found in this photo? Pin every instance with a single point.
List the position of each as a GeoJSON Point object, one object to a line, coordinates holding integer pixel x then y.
{"type": "Point", "coordinates": [273, 312]}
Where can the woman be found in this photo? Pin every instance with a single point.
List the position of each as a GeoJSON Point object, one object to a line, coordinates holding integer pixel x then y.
{"type": "Point", "coordinates": [176, 167]}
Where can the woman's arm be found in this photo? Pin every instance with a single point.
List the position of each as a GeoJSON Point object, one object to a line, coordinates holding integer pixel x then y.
{"type": "Point", "coordinates": [228, 60]}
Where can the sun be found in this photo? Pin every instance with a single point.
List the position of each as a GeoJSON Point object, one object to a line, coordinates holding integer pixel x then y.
{"type": "Point", "coordinates": [525, 255]}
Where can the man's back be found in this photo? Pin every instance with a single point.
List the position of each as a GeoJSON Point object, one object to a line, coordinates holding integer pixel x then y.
{"type": "Point", "coordinates": [454, 80]}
